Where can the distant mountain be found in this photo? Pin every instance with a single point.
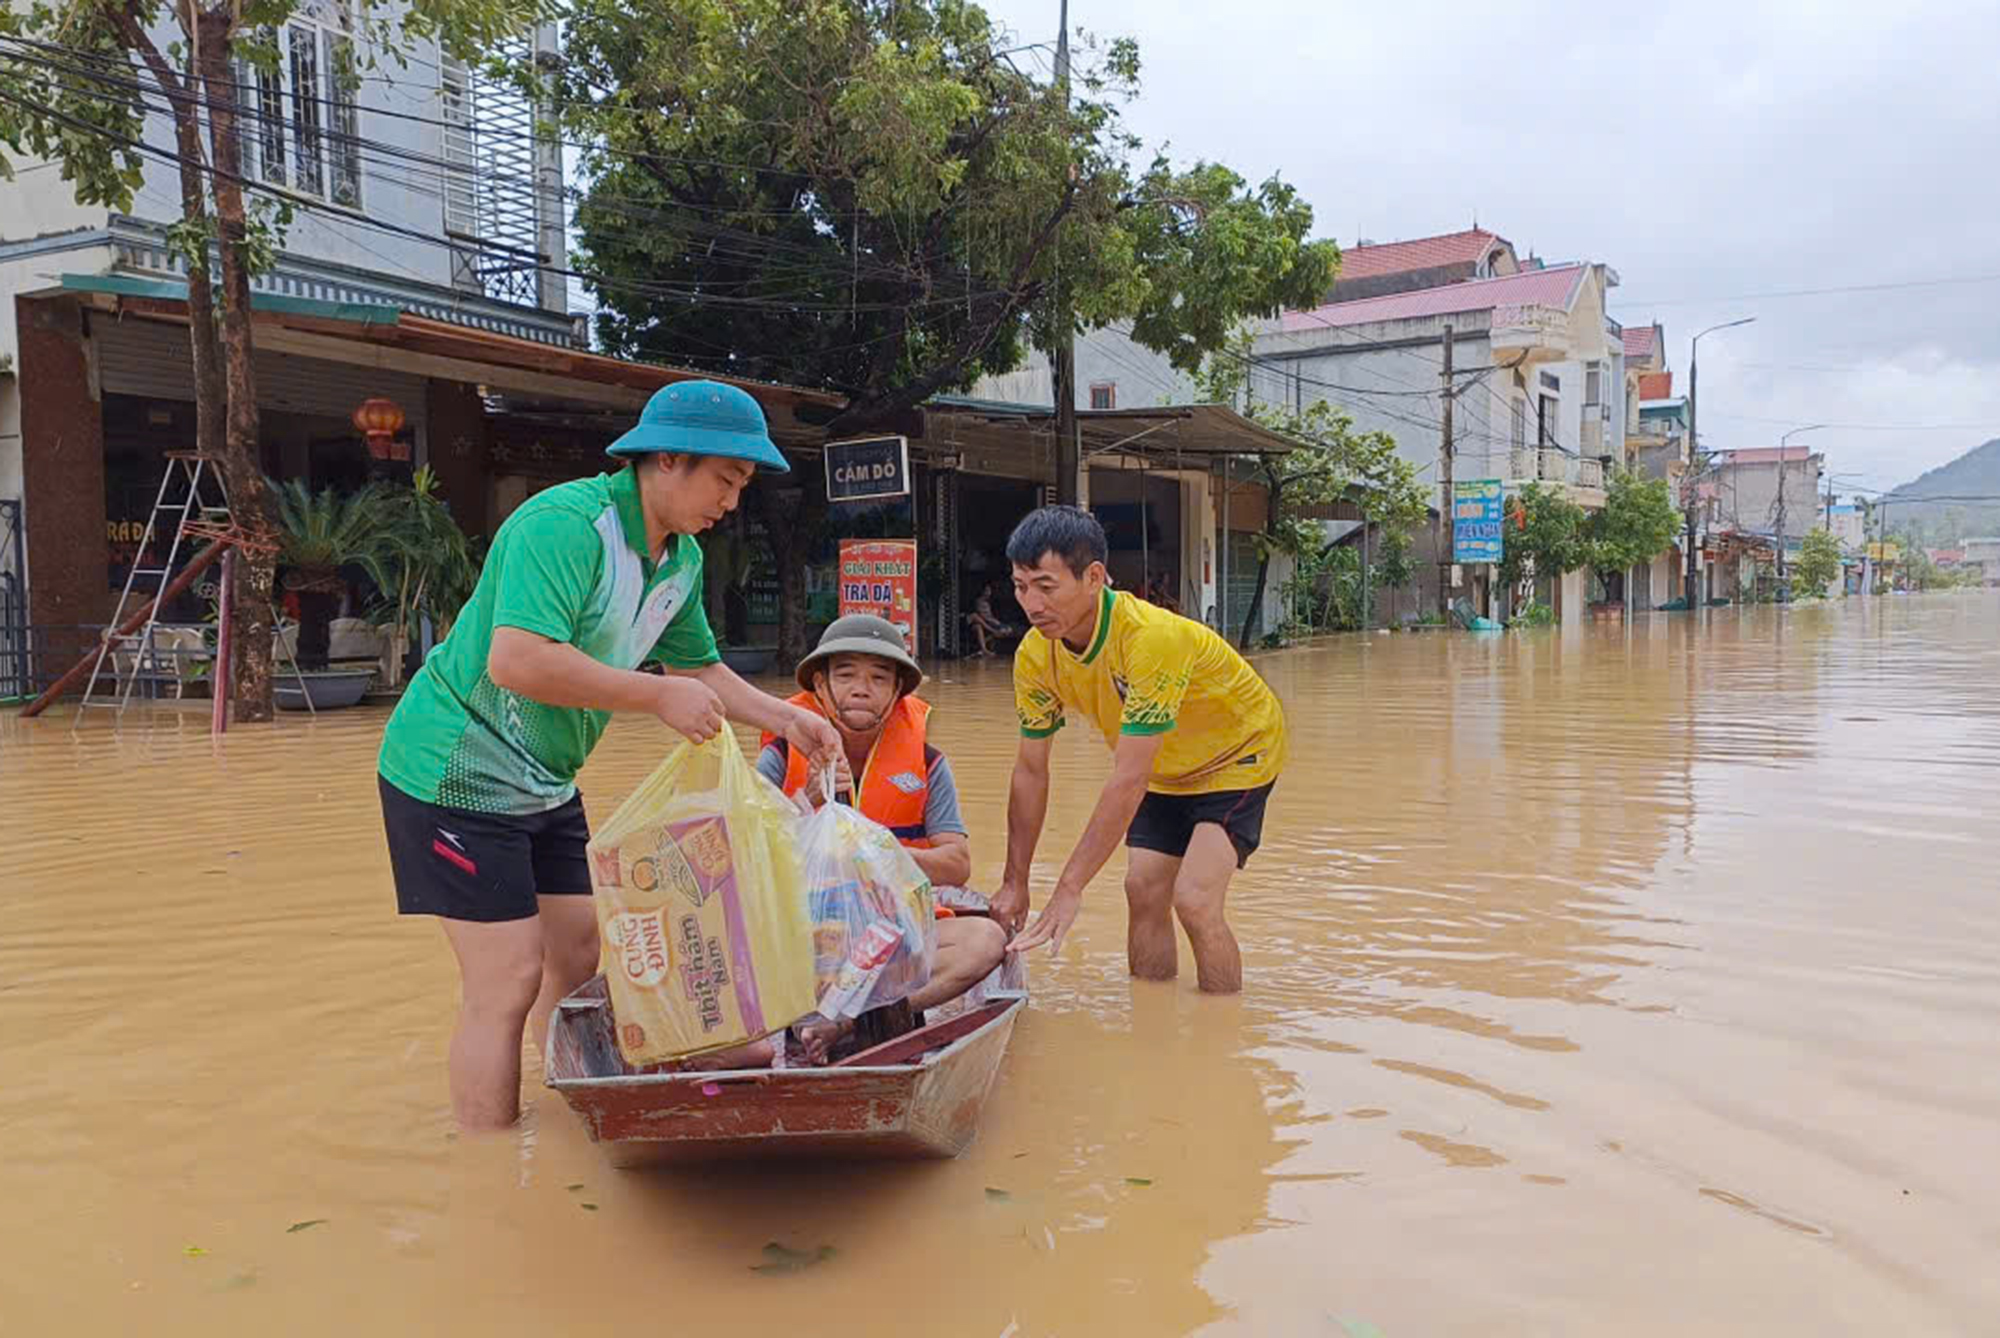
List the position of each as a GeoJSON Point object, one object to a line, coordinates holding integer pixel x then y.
{"type": "Point", "coordinates": [1976, 474]}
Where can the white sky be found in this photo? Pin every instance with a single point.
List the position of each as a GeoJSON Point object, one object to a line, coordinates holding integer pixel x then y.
{"type": "Point", "coordinates": [1710, 153]}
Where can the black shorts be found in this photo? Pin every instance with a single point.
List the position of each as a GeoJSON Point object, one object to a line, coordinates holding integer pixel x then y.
{"type": "Point", "coordinates": [1166, 822]}
{"type": "Point", "coordinates": [488, 867]}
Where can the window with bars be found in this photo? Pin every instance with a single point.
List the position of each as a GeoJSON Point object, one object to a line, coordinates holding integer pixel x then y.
{"type": "Point", "coordinates": [1545, 421]}
{"type": "Point", "coordinates": [1104, 395]}
{"type": "Point", "coordinates": [1520, 423]}
{"type": "Point", "coordinates": [492, 184]}
{"type": "Point", "coordinates": [301, 123]}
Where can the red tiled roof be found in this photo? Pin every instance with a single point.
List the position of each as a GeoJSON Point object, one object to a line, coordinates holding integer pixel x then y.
{"type": "Point", "coordinates": [1453, 248]}
{"type": "Point", "coordinates": [1541, 287]}
{"type": "Point", "coordinates": [1654, 385]}
{"type": "Point", "coordinates": [1642, 341]}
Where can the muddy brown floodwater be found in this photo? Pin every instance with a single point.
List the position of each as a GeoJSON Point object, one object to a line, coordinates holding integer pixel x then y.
{"type": "Point", "coordinates": [1642, 980]}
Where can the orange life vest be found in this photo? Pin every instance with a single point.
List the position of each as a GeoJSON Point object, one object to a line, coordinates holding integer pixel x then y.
{"type": "Point", "coordinates": [897, 779]}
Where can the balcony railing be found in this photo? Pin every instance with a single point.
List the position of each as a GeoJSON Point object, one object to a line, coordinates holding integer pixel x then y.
{"type": "Point", "coordinates": [1531, 332]}
{"type": "Point", "coordinates": [1527, 464]}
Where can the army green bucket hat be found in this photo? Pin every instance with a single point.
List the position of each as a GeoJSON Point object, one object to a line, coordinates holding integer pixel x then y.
{"type": "Point", "coordinates": [862, 634]}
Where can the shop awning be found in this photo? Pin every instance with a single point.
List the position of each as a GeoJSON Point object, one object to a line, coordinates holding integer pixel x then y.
{"type": "Point", "coordinates": [442, 348]}
{"type": "Point", "coordinates": [1190, 433]}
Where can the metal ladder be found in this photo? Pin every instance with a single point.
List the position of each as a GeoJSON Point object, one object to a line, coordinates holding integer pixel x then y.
{"type": "Point", "coordinates": [190, 513]}
{"type": "Point", "coordinates": [187, 470]}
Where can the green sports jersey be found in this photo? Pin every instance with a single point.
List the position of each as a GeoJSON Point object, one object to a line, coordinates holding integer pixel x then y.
{"type": "Point", "coordinates": [570, 564]}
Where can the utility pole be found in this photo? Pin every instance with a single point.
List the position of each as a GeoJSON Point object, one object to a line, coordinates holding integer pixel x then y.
{"type": "Point", "coordinates": [1069, 462]}
{"type": "Point", "coordinates": [1446, 549]}
{"type": "Point", "coordinates": [1695, 461]}
{"type": "Point", "coordinates": [1780, 538]}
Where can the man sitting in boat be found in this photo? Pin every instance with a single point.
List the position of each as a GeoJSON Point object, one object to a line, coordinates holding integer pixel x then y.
{"type": "Point", "coordinates": [862, 678]}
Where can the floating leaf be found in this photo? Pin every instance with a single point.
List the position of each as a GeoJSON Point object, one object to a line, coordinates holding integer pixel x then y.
{"type": "Point", "coordinates": [782, 1259]}
{"type": "Point", "coordinates": [1141, 1181]}
{"type": "Point", "coordinates": [310, 1222]}
{"type": "Point", "coordinates": [193, 1251]}
{"type": "Point", "coordinates": [1360, 1328]}
{"type": "Point", "coordinates": [588, 1207]}
{"type": "Point", "coordinates": [241, 1280]}
{"type": "Point", "coordinates": [997, 1195]}
{"type": "Point", "coordinates": [575, 1187]}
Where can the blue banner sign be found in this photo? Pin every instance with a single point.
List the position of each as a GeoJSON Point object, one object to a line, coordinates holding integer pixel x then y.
{"type": "Point", "coordinates": [1477, 518]}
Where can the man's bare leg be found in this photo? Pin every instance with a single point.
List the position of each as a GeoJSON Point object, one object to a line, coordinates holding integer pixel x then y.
{"type": "Point", "coordinates": [1150, 950]}
{"type": "Point", "coordinates": [500, 968]}
{"type": "Point", "coordinates": [968, 948]}
{"type": "Point", "coordinates": [1199, 891]}
{"type": "Point", "coordinates": [569, 956]}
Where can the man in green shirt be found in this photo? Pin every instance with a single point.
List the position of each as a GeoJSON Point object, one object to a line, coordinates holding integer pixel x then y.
{"type": "Point", "coordinates": [587, 584]}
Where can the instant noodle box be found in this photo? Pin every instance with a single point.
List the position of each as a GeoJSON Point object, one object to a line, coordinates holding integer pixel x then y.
{"type": "Point", "coordinates": [701, 908]}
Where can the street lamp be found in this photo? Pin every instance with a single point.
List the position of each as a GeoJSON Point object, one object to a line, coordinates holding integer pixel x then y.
{"type": "Point", "coordinates": [1783, 443]}
{"type": "Point", "coordinates": [1694, 445]}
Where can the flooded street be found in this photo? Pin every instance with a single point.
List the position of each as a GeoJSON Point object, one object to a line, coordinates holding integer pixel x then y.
{"type": "Point", "coordinates": [1641, 980]}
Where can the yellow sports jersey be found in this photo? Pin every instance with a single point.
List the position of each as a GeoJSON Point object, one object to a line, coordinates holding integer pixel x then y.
{"type": "Point", "coordinates": [1149, 671]}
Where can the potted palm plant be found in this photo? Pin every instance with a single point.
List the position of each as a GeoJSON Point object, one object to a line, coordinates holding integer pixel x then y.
{"type": "Point", "coordinates": [320, 533]}
{"type": "Point", "coordinates": [423, 564]}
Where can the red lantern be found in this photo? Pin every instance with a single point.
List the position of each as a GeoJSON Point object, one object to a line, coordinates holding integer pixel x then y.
{"type": "Point", "coordinates": [379, 420]}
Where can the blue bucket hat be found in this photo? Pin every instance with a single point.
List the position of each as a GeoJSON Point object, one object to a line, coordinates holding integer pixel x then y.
{"type": "Point", "coordinates": [702, 418]}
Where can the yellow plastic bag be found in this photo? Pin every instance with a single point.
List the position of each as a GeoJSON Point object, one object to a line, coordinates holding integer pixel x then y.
{"type": "Point", "coordinates": [701, 907]}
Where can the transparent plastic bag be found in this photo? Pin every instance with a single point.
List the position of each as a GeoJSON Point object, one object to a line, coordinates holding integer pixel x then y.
{"type": "Point", "coordinates": [701, 907]}
{"type": "Point", "coordinates": [874, 925]}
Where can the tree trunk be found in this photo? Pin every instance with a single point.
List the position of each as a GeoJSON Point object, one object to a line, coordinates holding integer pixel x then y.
{"type": "Point", "coordinates": [1256, 602]}
{"type": "Point", "coordinates": [1273, 499]}
{"type": "Point", "coordinates": [241, 467]}
{"type": "Point", "coordinates": [211, 393]}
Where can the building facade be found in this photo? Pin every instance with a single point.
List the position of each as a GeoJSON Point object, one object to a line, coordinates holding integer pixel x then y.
{"type": "Point", "coordinates": [441, 290]}
{"type": "Point", "coordinates": [1538, 384]}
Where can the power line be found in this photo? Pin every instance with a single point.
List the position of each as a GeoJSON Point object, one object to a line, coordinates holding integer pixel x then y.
{"type": "Point", "coordinates": [1780, 294]}
{"type": "Point", "coordinates": [724, 242]}
{"type": "Point", "coordinates": [1868, 427]}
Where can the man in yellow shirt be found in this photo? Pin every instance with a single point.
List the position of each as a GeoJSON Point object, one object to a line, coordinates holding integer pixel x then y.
{"type": "Point", "coordinates": [1197, 741]}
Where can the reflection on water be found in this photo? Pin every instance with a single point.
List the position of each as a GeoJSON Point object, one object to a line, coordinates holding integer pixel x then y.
{"type": "Point", "coordinates": [1637, 980]}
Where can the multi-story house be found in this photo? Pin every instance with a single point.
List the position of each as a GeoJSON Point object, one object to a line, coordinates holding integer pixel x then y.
{"type": "Point", "coordinates": [426, 267]}
{"type": "Point", "coordinates": [1753, 503]}
{"type": "Point", "coordinates": [1537, 377]}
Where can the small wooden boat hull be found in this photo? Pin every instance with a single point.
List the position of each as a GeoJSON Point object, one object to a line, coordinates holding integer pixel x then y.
{"type": "Point", "coordinates": [918, 1096]}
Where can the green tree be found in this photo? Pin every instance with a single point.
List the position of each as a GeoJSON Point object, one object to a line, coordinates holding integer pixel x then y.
{"type": "Point", "coordinates": [421, 560]}
{"type": "Point", "coordinates": [1546, 534]}
{"type": "Point", "coordinates": [1637, 523]}
{"type": "Point", "coordinates": [77, 80]}
{"type": "Point", "coordinates": [1818, 564]}
{"type": "Point", "coordinates": [1330, 462]}
{"type": "Point", "coordinates": [878, 198]}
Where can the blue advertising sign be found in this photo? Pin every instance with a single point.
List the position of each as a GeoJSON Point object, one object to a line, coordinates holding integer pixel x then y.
{"type": "Point", "coordinates": [1477, 517]}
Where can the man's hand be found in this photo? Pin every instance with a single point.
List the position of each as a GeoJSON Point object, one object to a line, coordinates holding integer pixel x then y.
{"type": "Point", "coordinates": [1052, 924]}
{"type": "Point", "coordinates": [1009, 906]}
{"type": "Point", "coordinates": [689, 707]}
{"type": "Point", "coordinates": [811, 734]}
{"type": "Point", "coordinates": [813, 793]}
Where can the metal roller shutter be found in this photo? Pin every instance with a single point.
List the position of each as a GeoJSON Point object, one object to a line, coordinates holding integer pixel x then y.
{"type": "Point", "coordinates": [150, 359]}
